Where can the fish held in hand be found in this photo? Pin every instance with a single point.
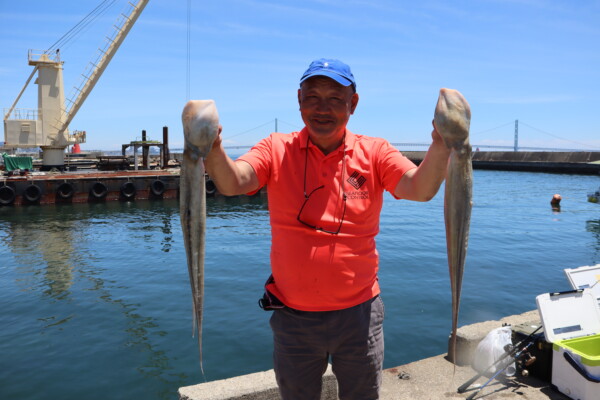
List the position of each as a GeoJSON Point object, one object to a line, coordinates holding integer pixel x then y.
{"type": "Point", "coordinates": [452, 120]}
{"type": "Point", "coordinates": [200, 127]}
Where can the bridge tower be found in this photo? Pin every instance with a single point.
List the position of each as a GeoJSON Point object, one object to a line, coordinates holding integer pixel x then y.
{"type": "Point", "coordinates": [516, 135]}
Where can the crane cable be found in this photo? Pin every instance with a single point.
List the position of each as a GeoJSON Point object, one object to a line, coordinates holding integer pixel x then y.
{"type": "Point", "coordinates": [188, 69]}
{"type": "Point", "coordinates": [81, 25]}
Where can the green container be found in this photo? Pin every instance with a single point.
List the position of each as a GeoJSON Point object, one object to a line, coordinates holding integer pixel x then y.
{"type": "Point", "coordinates": [17, 162]}
{"type": "Point", "coordinates": [588, 348]}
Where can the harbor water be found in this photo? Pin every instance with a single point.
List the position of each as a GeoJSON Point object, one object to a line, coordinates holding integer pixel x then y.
{"type": "Point", "coordinates": [95, 299]}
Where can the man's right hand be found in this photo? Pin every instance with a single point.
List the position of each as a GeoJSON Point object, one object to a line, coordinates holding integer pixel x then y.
{"type": "Point", "coordinates": [218, 140]}
{"type": "Point", "coordinates": [232, 178]}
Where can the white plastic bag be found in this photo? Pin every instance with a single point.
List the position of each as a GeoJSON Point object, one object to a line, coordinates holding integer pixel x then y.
{"type": "Point", "coordinates": [491, 349]}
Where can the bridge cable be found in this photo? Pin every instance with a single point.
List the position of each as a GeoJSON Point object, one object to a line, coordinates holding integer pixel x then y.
{"type": "Point", "coordinates": [493, 129]}
{"type": "Point", "coordinates": [256, 127]}
{"type": "Point", "coordinates": [290, 124]}
{"type": "Point", "coordinates": [554, 136]}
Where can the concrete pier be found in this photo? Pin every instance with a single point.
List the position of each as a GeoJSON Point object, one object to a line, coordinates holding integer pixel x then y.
{"type": "Point", "coordinates": [429, 379]}
{"type": "Point", "coordinates": [566, 162]}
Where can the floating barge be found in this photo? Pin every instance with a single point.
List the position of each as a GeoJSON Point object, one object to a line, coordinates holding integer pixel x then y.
{"type": "Point", "coordinates": [93, 185]}
{"type": "Point", "coordinates": [87, 186]}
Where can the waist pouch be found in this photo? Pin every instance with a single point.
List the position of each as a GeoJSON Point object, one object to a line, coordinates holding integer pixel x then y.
{"type": "Point", "coordinates": [269, 301]}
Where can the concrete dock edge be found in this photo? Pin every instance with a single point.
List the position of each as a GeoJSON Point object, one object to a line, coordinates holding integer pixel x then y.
{"type": "Point", "coordinates": [431, 378]}
{"type": "Point", "coordinates": [257, 386]}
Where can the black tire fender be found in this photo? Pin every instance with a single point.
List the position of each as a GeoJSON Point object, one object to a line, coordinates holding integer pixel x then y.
{"type": "Point", "coordinates": [128, 190]}
{"type": "Point", "coordinates": [32, 193]}
{"type": "Point", "coordinates": [65, 190]}
{"type": "Point", "coordinates": [98, 190]}
{"type": "Point", "coordinates": [157, 187]}
{"type": "Point", "coordinates": [7, 195]}
{"type": "Point", "coordinates": [210, 186]}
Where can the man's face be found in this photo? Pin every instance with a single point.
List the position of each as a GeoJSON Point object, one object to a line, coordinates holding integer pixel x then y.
{"type": "Point", "coordinates": [326, 106]}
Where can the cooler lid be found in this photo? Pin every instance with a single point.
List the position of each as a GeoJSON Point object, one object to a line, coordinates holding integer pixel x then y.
{"type": "Point", "coordinates": [567, 315]}
{"type": "Point", "coordinates": [585, 277]}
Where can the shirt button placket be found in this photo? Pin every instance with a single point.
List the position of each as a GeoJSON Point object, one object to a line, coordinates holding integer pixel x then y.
{"type": "Point", "coordinates": [323, 170]}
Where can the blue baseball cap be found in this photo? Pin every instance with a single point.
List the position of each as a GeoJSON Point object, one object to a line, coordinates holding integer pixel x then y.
{"type": "Point", "coordinates": [334, 69]}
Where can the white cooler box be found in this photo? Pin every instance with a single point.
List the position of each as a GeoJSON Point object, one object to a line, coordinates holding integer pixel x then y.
{"type": "Point", "coordinates": [572, 324]}
{"type": "Point", "coordinates": [585, 277]}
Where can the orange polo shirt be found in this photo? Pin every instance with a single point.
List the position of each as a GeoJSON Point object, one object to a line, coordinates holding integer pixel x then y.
{"type": "Point", "coordinates": [314, 270]}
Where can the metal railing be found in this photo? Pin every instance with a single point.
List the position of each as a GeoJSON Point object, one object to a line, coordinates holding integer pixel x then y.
{"type": "Point", "coordinates": [31, 114]}
{"type": "Point", "coordinates": [43, 55]}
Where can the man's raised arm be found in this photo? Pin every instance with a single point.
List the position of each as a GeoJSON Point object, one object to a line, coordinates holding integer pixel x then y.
{"type": "Point", "coordinates": [232, 178]}
{"type": "Point", "coordinates": [422, 183]}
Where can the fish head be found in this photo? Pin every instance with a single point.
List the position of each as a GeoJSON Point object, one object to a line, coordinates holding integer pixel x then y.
{"type": "Point", "coordinates": [200, 125]}
{"type": "Point", "coordinates": [452, 118]}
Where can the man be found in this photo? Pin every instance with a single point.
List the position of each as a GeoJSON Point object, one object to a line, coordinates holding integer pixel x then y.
{"type": "Point", "coordinates": [325, 188]}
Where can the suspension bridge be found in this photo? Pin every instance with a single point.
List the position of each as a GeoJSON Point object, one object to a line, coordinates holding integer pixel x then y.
{"type": "Point", "coordinates": [408, 146]}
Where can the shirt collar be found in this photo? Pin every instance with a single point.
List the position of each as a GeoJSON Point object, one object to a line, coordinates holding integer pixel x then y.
{"type": "Point", "coordinates": [349, 140]}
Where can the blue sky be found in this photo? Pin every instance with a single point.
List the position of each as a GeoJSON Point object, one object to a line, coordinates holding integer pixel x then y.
{"type": "Point", "coordinates": [537, 61]}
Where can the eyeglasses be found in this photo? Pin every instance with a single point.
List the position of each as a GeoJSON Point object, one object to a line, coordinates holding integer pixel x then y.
{"type": "Point", "coordinates": [307, 196]}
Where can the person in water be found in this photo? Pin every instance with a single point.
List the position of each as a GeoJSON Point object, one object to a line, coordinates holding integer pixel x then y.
{"type": "Point", "coordinates": [555, 202]}
{"type": "Point", "coordinates": [325, 189]}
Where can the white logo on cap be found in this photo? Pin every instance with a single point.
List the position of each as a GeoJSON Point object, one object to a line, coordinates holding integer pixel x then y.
{"type": "Point", "coordinates": [326, 64]}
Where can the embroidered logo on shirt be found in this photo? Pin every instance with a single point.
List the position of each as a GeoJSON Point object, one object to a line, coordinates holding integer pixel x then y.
{"type": "Point", "coordinates": [356, 180]}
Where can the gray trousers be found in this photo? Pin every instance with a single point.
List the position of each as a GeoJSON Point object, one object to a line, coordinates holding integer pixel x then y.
{"type": "Point", "coordinates": [304, 341]}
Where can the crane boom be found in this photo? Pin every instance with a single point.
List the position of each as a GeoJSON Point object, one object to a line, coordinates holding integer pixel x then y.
{"type": "Point", "coordinates": [48, 125]}
{"type": "Point", "coordinates": [122, 29]}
